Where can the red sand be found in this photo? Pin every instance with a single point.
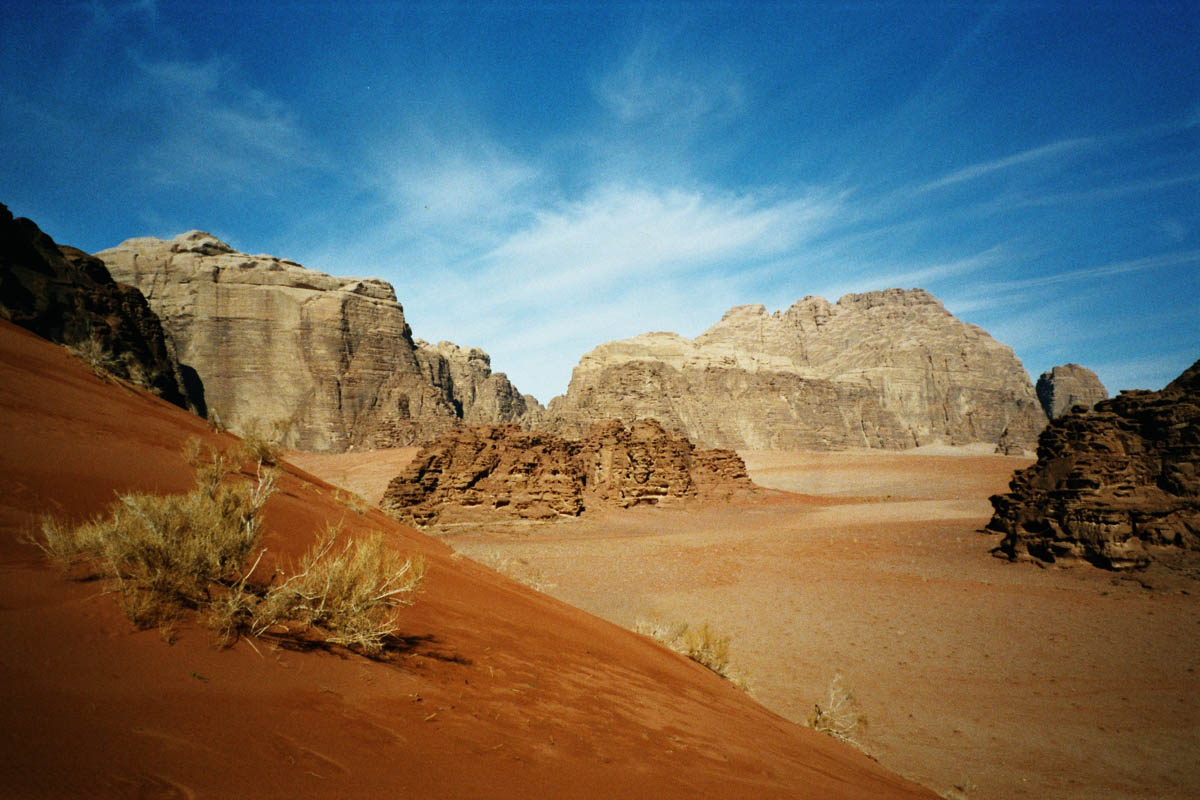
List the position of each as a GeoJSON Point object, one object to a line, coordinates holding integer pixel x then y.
{"type": "Point", "coordinates": [505, 693]}
{"type": "Point", "coordinates": [1004, 679]}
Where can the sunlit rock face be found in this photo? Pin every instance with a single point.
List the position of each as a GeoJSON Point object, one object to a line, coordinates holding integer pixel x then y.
{"type": "Point", "coordinates": [331, 356]}
{"type": "Point", "coordinates": [1116, 486]}
{"type": "Point", "coordinates": [889, 369]}
{"type": "Point", "coordinates": [1062, 388]}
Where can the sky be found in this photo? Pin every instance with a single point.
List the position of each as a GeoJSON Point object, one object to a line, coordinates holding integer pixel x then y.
{"type": "Point", "coordinates": [537, 178]}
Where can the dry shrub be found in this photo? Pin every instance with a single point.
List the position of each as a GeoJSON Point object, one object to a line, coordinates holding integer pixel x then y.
{"type": "Point", "coordinates": [353, 501]}
{"type": "Point", "coordinates": [263, 441]}
{"type": "Point", "coordinates": [173, 554]}
{"type": "Point", "coordinates": [348, 593]}
{"type": "Point", "coordinates": [839, 715]}
{"type": "Point", "coordinates": [703, 644]}
{"type": "Point", "coordinates": [92, 351]}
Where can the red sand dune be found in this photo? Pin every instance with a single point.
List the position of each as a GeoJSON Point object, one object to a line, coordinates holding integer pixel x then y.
{"type": "Point", "coordinates": [505, 692]}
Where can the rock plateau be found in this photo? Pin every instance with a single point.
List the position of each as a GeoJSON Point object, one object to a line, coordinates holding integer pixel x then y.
{"type": "Point", "coordinates": [888, 369]}
{"type": "Point", "coordinates": [1117, 486]}
{"type": "Point", "coordinates": [501, 472]}
{"type": "Point", "coordinates": [332, 356]}
{"type": "Point", "coordinates": [1064, 387]}
{"type": "Point", "coordinates": [64, 295]}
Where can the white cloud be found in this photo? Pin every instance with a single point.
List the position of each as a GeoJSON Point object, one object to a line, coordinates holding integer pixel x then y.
{"type": "Point", "coordinates": [214, 128]}
{"type": "Point", "coordinates": [974, 171]}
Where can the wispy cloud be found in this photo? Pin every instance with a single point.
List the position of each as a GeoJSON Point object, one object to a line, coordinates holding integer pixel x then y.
{"type": "Point", "coordinates": [1161, 261]}
{"type": "Point", "coordinates": [975, 171]}
{"type": "Point", "coordinates": [214, 127]}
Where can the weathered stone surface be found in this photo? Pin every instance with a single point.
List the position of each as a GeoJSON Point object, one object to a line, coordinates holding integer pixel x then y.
{"type": "Point", "coordinates": [890, 369]}
{"type": "Point", "coordinates": [1064, 387]}
{"type": "Point", "coordinates": [480, 396]}
{"type": "Point", "coordinates": [501, 472]}
{"type": "Point", "coordinates": [67, 296]}
{"type": "Point", "coordinates": [1116, 486]}
{"type": "Point", "coordinates": [275, 341]}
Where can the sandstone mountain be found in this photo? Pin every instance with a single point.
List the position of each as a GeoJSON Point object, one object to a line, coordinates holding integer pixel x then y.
{"type": "Point", "coordinates": [332, 356]}
{"type": "Point", "coordinates": [1064, 387]}
{"type": "Point", "coordinates": [64, 295]}
{"type": "Point", "coordinates": [502, 472]}
{"type": "Point", "coordinates": [889, 369]}
{"type": "Point", "coordinates": [481, 397]}
{"type": "Point", "coordinates": [1117, 486]}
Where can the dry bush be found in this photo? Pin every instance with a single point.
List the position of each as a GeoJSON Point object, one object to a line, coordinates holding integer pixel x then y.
{"type": "Point", "coordinates": [263, 441]}
{"type": "Point", "coordinates": [348, 592]}
{"type": "Point", "coordinates": [92, 351]}
{"type": "Point", "coordinates": [703, 644]}
{"type": "Point", "coordinates": [169, 555]}
{"type": "Point", "coordinates": [839, 715]}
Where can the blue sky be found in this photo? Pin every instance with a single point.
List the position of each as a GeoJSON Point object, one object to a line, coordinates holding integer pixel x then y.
{"type": "Point", "coordinates": [538, 178]}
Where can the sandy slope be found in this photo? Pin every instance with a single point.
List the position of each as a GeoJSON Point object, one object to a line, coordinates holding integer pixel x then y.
{"type": "Point", "coordinates": [504, 693]}
{"type": "Point", "coordinates": [1005, 679]}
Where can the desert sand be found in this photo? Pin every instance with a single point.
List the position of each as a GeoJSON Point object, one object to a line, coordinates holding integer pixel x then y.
{"type": "Point", "coordinates": [501, 692]}
{"type": "Point", "coordinates": [978, 677]}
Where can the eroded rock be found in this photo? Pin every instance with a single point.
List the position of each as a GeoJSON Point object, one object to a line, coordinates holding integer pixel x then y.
{"type": "Point", "coordinates": [1116, 486]}
{"type": "Point", "coordinates": [502, 472]}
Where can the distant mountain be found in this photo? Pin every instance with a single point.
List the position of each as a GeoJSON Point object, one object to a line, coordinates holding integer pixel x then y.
{"type": "Point", "coordinates": [889, 369]}
{"type": "Point", "coordinates": [333, 357]}
{"type": "Point", "coordinates": [1062, 388]}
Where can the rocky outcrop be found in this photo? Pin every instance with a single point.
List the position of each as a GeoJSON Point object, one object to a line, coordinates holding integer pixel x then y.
{"type": "Point", "coordinates": [501, 472]}
{"type": "Point", "coordinates": [1064, 387]}
{"type": "Point", "coordinates": [890, 369]}
{"type": "Point", "coordinates": [1116, 486]}
{"type": "Point", "coordinates": [272, 341]}
{"type": "Point", "coordinates": [480, 396]}
{"type": "Point", "coordinates": [65, 295]}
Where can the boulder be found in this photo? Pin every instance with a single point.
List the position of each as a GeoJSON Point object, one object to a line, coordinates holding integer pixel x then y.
{"type": "Point", "coordinates": [502, 472]}
{"type": "Point", "coordinates": [1064, 387]}
{"type": "Point", "coordinates": [890, 369]}
{"type": "Point", "coordinates": [1117, 486]}
{"type": "Point", "coordinates": [64, 295]}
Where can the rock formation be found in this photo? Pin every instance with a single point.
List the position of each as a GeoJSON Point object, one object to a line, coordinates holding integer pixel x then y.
{"type": "Point", "coordinates": [65, 295]}
{"type": "Point", "coordinates": [481, 397]}
{"type": "Point", "coordinates": [499, 472]}
{"type": "Point", "coordinates": [332, 356]}
{"type": "Point", "coordinates": [1117, 486]}
{"type": "Point", "coordinates": [889, 369]}
{"type": "Point", "coordinates": [1064, 387]}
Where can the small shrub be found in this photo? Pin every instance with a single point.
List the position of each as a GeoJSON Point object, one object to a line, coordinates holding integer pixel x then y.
{"type": "Point", "coordinates": [703, 644]}
{"type": "Point", "coordinates": [839, 715]}
{"type": "Point", "coordinates": [173, 554]}
{"type": "Point", "coordinates": [92, 351]}
{"type": "Point", "coordinates": [347, 592]}
{"type": "Point", "coordinates": [352, 501]}
{"type": "Point", "coordinates": [263, 441]}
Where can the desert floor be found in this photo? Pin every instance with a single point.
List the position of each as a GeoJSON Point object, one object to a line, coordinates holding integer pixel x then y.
{"type": "Point", "coordinates": [977, 677]}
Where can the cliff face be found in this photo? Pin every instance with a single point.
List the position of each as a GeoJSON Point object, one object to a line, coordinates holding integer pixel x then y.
{"type": "Point", "coordinates": [1117, 486]}
{"type": "Point", "coordinates": [890, 369]}
{"type": "Point", "coordinates": [1064, 387]}
{"type": "Point", "coordinates": [65, 295]}
{"type": "Point", "coordinates": [275, 341]}
{"type": "Point", "coordinates": [480, 396]}
{"type": "Point", "coordinates": [501, 472]}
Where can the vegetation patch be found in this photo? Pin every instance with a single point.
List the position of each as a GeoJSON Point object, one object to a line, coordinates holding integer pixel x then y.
{"type": "Point", "coordinates": [703, 644]}
{"type": "Point", "coordinates": [838, 715]}
{"type": "Point", "coordinates": [169, 556]}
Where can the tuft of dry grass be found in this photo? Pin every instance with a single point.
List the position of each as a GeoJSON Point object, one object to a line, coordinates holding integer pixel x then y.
{"type": "Point", "coordinates": [353, 501]}
{"type": "Point", "coordinates": [263, 441]}
{"type": "Point", "coordinates": [703, 644]}
{"type": "Point", "coordinates": [839, 715]}
{"type": "Point", "coordinates": [171, 555]}
{"type": "Point", "coordinates": [347, 592]}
